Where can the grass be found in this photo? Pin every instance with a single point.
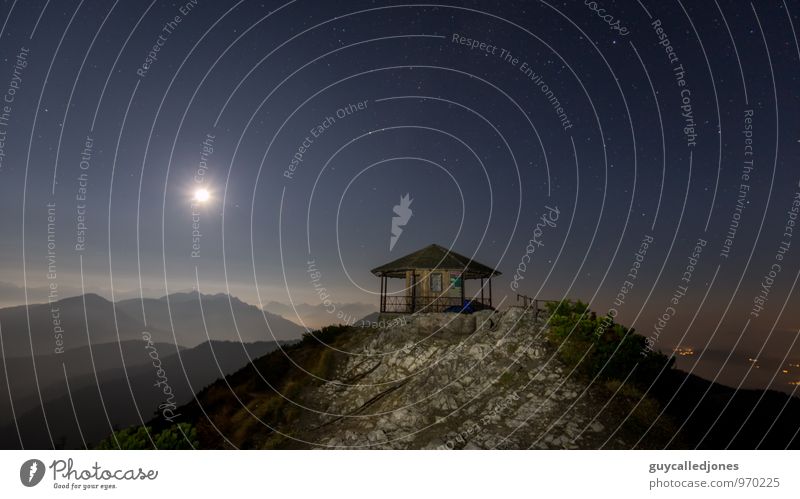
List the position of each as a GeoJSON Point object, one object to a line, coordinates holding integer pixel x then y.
{"type": "Point", "coordinates": [271, 388]}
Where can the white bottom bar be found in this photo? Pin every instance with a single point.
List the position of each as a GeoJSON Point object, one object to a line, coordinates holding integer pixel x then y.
{"type": "Point", "coordinates": [403, 474]}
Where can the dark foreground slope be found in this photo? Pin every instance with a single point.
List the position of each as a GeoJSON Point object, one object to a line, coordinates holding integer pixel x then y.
{"type": "Point", "coordinates": [94, 404]}
{"type": "Point", "coordinates": [479, 381]}
{"type": "Point", "coordinates": [715, 416]}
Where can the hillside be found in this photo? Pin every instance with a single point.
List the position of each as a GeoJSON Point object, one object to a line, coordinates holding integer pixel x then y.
{"type": "Point", "coordinates": [460, 381]}
{"type": "Point", "coordinates": [116, 397]}
{"type": "Point", "coordinates": [60, 335]}
{"type": "Point", "coordinates": [470, 382]}
{"type": "Point", "coordinates": [17, 375]}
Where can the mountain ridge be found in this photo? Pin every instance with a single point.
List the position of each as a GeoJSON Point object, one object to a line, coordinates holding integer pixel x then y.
{"type": "Point", "coordinates": [480, 381]}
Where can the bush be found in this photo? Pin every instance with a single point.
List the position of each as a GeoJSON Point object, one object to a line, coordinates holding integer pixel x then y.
{"type": "Point", "coordinates": [135, 438]}
{"type": "Point", "coordinates": [613, 350]}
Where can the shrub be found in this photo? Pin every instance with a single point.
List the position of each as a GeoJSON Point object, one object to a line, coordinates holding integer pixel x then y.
{"type": "Point", "coordinates": [135, 438]}
{"type": "Point", "coordinates": [613, 350]}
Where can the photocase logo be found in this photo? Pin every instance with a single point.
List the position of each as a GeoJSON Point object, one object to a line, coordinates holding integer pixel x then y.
{"type": "Point", "coordinates": [403, 212]}
{"type": "Point", "coordinates": [31, 472]}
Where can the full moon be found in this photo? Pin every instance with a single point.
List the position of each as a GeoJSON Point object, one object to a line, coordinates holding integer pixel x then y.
{"type": "Point", "coordinates": [201, 195]}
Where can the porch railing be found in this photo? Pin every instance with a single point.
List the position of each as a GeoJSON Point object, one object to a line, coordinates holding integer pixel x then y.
{"type": "Point", "coordinates": [408, 304]}
{"type": "Point", "coordinates": [534, 303]}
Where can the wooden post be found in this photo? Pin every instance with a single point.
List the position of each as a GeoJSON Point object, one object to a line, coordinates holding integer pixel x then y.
{"type": "Point", "coordinates": [461, 278]}
{"type": "Point", "coordinates": [490, 291]}
{"type": "Point", "coordinates": [383, 293]}
{"type": "Point", "coordinates": [482, 302]}
{"type": "Point", "coordinates": [413, 291]}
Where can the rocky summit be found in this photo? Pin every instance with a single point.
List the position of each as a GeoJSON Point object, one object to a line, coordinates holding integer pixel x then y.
{"type": "Point", "coordinates": [428, 381]}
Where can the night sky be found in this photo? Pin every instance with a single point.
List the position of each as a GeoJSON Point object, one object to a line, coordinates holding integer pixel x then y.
{"type": "Point", "coordinates": [673, 121]}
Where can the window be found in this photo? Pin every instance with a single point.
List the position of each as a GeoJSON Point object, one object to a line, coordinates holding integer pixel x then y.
{"type": "Point", "coordinates": [436, 283]}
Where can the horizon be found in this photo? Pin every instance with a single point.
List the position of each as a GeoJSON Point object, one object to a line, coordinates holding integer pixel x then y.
{"type": "Point", "coordinates": [683, 353]}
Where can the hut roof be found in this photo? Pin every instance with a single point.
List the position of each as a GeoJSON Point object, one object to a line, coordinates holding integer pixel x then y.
{"type": "Point", "coordinates": [435, 257]}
